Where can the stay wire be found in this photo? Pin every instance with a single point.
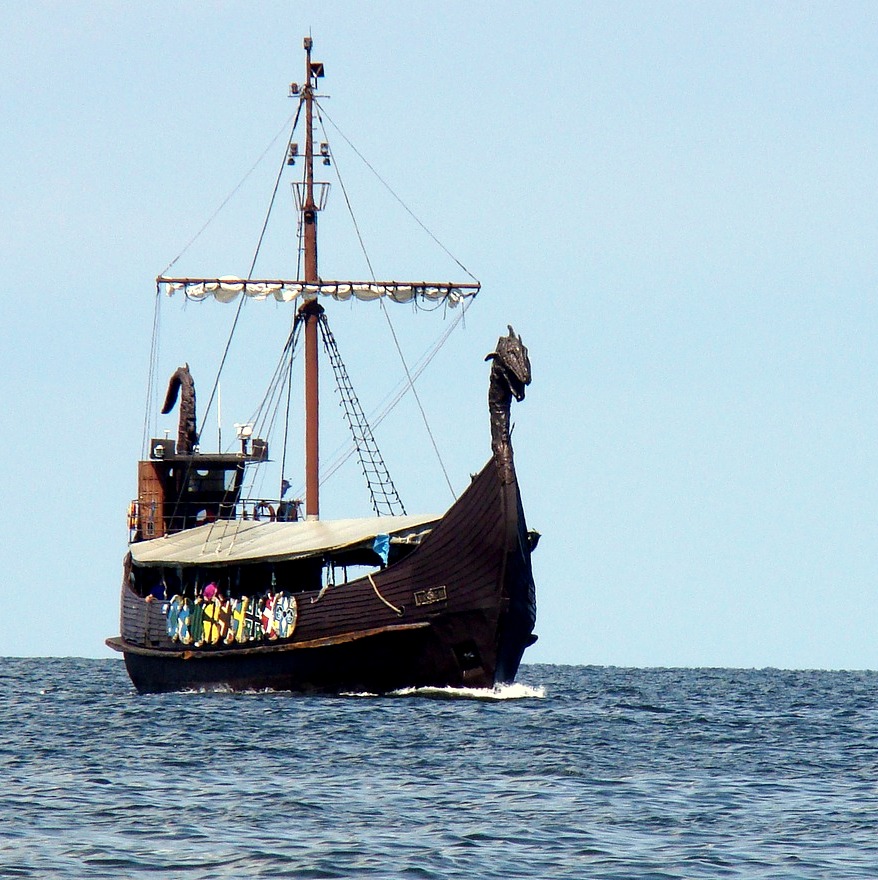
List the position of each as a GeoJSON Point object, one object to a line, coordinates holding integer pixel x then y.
{"type": "Point", "coordinates": [387, 186]}
{"type": "Point", "coordinates": [417, 397]}
{"type": "Point", "coordinates": [347, 201]}
{"type": "Point", "coordinates": [377, 416]}
{"type": "Point", "coordinates": [229, 197]}
{"type": "Point", "coordinates": [411, 383]}
{"type": "Point", "coordinates": [283, 460]}
{"type": "Point", "coordinates": [243, 298]}
{"type": "Point", "coordinates": [153, 368]}
{"type": "Point", "coordinates": [253, 262]}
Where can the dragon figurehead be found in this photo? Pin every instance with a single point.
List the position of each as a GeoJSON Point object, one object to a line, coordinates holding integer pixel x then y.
{"type": "Point", "coordinates": [510, 376]}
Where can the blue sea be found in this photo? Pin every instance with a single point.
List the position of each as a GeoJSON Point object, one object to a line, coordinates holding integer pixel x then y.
{"type": "Point", "coordinates": [574, 772]}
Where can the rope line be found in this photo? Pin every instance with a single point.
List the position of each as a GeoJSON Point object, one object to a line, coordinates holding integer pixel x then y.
{"type": "Point", "coordinates": [243, 299]}
{"type": "Point", "coordinates": [347, 200]}
{"type": "Point", "coordinates": [399, 611]}
{"type": "Point", "coordinates": [385, 498]}
{"type": "Point", "coordinates": [231, 195]}
{"type": "Point", "coordinates": [153, 369]}
{"type": "Point", "coordinates": [411, 383]}
{"type": "Point", "coordinates": [283, 459]}
{"type": "Point", "coordinates": [343, 452]}
{"type": "Point", "coordinates": [252, 265]}
{"type": "Point", "coordinates": [415, 394]}
{"type": "Point", "coordinates": [387, 186]}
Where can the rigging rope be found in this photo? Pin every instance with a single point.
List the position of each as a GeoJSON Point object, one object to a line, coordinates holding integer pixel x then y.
{"type": "Point", "coordinates": [347, 201]}
{"type": "Point", "coordinates": [272, 400]}
{"type": "Point", "coordinates": [229, 197]}
{"type": "Point", "coordinates": [405, 366]}
{"type": "Point", "coordinates": [411, 382]}
{"type": "Point", "coordinates": [153, 369]}
{"type": "Point", "coordinates": [283, 459]}
{"type": "Point", "coordinates": [385, 498]}
{"type": "Point", "coordinates": [343, 452]}
{"type": "Point", "coordinates": [389, 189]}
{"type": "Point", "coordinates": [243, 299]}
{"type": "Point", "coordinates": [252, 263]}
{"type": "Point", "coordinates": [392, 398]}
{"type": "Point", "coordinates": [259, 417]}
{"type": "Point", "coordinates": [392, 607]}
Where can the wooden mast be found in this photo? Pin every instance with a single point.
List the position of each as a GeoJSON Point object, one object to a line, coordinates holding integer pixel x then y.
{"type": "Point", "coordinates": [311, 310]}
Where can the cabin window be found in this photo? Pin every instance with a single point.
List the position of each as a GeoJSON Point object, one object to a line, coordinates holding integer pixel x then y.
{"type": "Point", "coordinates": [211, 481]}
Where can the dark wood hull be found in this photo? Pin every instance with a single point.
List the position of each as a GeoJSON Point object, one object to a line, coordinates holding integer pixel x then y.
{"type": "Point", "coordinates": [477, 558]}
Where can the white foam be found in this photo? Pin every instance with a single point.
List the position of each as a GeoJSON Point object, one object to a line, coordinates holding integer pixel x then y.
{"type": "Point", "coordinates": [498, 693]}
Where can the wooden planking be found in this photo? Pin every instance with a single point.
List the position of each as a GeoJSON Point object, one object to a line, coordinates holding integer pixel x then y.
{"type": "Point", "coordinates": [465, 553]}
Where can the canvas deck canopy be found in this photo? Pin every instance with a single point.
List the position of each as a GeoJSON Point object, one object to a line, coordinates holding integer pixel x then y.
{"type": "Point", "coordinates": [229, 541]}
{"type": "Point", "coordinates": [229, 288]}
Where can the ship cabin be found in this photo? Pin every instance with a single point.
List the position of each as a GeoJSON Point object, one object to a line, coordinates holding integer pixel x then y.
{"type": "Point", "coordinates": [177, 491]}
{"type": "Point", "coordinates": [245, 550]}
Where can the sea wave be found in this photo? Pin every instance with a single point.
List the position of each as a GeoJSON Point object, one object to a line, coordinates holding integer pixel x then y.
{"type": "Point", "coordinates": [500, 692]}
{"type": "Point", "coordinates": [573, 772]}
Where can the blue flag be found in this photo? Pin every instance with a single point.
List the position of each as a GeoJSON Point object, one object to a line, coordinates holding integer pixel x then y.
{"type": "Point", "coordinates": [382, 547]}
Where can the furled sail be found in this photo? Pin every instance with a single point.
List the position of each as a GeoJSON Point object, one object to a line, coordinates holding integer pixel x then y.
{"type": "Point", "coordinates": [229, 288]}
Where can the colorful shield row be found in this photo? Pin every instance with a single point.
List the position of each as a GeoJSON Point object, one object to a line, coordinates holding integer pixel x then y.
{"type": "Point", "coordinates": [201, 621]}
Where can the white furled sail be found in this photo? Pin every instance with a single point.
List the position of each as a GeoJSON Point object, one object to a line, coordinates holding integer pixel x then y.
{"type": "Point", "coordinates": [229, 288]}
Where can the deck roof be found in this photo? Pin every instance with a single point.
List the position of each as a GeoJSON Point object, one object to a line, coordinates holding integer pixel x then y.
{"type": "Point", "coordinates": [229, 541]}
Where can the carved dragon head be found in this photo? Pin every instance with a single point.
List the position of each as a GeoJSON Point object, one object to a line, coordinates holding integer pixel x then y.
{"type": "Point", "coordinates": [182, 384]}
{"type": "Point", "coordinates": [511, 358]}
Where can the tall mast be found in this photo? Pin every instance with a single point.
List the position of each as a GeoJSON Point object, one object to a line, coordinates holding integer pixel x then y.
{"type": "Point", "coordinates": [308, 285]}
{"type": "Point", "coordinates": [311, 310]}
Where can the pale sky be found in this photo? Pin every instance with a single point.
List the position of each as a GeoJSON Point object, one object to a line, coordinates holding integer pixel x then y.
{"type": "Point", "coordinates": [674, 203]}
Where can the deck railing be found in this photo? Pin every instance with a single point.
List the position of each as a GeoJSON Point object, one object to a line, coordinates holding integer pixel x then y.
{"type": "Point", "coordinates": [145, 521]}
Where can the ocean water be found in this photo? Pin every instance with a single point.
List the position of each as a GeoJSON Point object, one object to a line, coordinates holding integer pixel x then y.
{"type": "Point", "coordinates": [575, 772]}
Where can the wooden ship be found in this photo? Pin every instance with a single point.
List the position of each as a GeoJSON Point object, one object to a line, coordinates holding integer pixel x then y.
{"type": "Point", "coordinates": [222, 592]}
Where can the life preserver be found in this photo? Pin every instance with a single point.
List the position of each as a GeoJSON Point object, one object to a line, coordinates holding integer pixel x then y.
{"type": "Point", "coordinates": [264, 506]}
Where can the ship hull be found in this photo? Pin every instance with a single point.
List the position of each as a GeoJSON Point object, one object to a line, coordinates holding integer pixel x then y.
{"type": "Point", "coordinates": [459, 611]}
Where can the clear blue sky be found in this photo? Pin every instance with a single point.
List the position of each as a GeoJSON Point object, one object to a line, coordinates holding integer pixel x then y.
{"type": "Point", "coordinates": [674, 203]}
